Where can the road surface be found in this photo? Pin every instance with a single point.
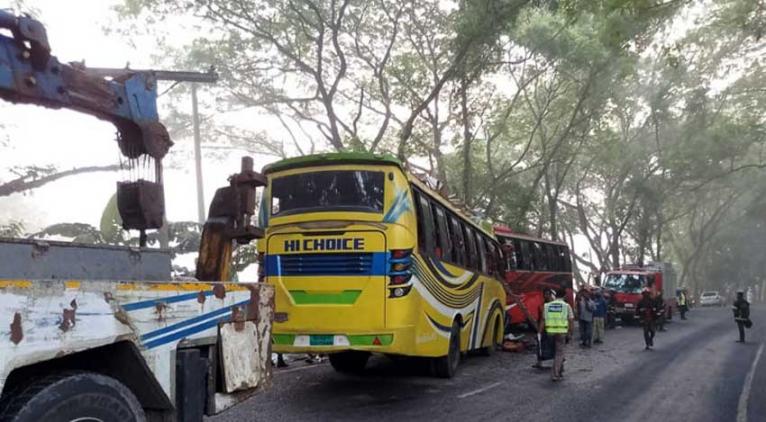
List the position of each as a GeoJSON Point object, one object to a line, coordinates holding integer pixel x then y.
{"type": "Point", "coordinates": [697, 372]}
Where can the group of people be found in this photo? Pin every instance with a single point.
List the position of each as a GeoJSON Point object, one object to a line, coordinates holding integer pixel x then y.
{"type": "Point", "coordinates": [557, 324]}
{"type": "Point", "coordinates": [592, 309]}
{"type": "Point", "coordinates": [557, 320]}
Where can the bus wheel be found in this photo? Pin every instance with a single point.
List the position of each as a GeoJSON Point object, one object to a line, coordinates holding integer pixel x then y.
{"type": "Point", "coordinates": [351, 362]}
{"type": "Point", "coordinates": [496, 340]}
{"type": "Point", "coordinates": [446, 366]}
{"type": "Point", "coordinates": [83, 396]}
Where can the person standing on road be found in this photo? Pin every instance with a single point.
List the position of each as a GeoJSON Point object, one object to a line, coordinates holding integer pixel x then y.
{"type": "Point", "coordinates": [585, 318]}
{"type": "Point", "coordinates": [682, 305]}
{"type": "Point", "coordinates": [741, 310]}
{"type": "Point", "coordinates": [646, 312]}
{"type": "Point", "coordinates": [599, 316]}
{"type": "Point", "coordinates": [557, 321]}
{"type": "Point", "coordinates": [546, 299]}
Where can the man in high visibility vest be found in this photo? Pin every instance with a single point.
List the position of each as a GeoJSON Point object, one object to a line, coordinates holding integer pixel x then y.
{"type": "Point", "coordinates": [558, 322]}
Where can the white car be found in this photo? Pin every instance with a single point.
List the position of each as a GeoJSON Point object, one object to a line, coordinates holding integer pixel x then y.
{"type": "Point", "coordinates": [711, 298]}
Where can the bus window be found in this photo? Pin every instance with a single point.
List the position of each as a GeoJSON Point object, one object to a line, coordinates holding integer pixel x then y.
{"type": "Point", "coordinates": [425, 223]}
{"type": "Point", "coordinates": [442, 232]}
{"type": "Point", "coordinates": [481, 244]}
{"type": "Point", "coordinates": [456, 234]}
{"type": "Point", "coordinates": [550, 256]}
{"type": "Point", "coordinates": [538, 258]}
{"type": "Point", "coordinates": [322, 191]}
{"type": "Point", "coordinates": [497, 269]}
{"type": "Point", "coordinates": [567, 259]}
{"type": "Point", "coordinates": [472, 256]}
{"type": "Point", "coordinates": [518, 256]}
{"type": "Point", "coordinates": [509, 252]}
{"type": "Point", "coordinates": [525, 263]}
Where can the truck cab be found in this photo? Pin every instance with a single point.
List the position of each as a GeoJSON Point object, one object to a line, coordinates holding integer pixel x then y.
{"type": "Point", "coordinates": [627, 284]}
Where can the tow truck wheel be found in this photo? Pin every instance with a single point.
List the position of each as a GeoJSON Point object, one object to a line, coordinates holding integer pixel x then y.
{"type": "Point", "coordinates": [446, 366]}
{"type": "Point", "coordinates": [68, 397]}
{"type": "Point", "coordinates": [352, 362]}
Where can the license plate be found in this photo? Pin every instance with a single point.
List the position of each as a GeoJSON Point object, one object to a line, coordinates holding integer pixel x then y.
{"type": "Point", "coordinates": [628, 305]}
{"type": "Point", "coordinates": [321, 340]}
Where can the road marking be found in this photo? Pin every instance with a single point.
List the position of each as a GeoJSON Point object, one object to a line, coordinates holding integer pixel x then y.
{"type": "Point", "coordinates": [480, 390]}
{"type": "Point", "coordinates": [744, 397]}
{"type": "Point", "coordinates": [284, 371]}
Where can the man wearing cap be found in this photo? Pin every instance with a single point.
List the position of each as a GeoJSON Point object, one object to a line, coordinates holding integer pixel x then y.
{"type": "Point", "coordinates": [557, 321]}
{"type": "Point", "coordinates": [741, 310]}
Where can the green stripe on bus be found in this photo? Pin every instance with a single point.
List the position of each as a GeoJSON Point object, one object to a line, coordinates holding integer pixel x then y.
{"type": "Point", "coordinates": [368, 340]}
{"type": "Point", "coordinates": [283, 338]}
{"type": "Point", "coordinates": [346, 297]}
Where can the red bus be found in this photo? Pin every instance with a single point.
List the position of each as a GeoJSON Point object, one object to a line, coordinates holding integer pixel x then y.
{"type": "Point", "coordinates": [532, 266]}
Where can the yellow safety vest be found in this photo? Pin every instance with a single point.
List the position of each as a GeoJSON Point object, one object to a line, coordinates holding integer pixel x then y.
{"type": "Point", "coordinates": [556, 314]}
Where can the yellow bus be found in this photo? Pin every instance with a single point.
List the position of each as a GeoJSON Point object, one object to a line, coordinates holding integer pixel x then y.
{"type": "Point", "coordinates": [365, 258]}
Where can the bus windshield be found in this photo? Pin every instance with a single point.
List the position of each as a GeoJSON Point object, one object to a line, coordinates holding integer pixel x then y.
{"type": "Point", "coordinates": [337, 190]}
{"type": "Point", "coordinates": [626, 283]}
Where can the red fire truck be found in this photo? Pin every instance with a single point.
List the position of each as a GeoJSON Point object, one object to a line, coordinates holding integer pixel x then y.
{"type": "Point", "coordinates": [533, 265]}
{"type": "Point", "coordinates": [627, 284]}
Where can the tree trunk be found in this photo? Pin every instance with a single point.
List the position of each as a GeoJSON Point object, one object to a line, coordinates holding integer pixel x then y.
{"type": "Point", "coordinates": [467, 142]}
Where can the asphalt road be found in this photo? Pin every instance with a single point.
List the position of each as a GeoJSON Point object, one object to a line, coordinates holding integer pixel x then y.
{"type": "Point", "coordinates": [697, 372]}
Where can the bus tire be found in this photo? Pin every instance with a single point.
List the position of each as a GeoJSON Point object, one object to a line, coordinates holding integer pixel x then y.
{"type": "Point", "coordinates": [446, 366]}
{"type": "Point", "coordinates": [496, 340]}
{"type": "Point", "coordinates": [350, 362]}
{"type": "Point", "coordinates": [73, 396]}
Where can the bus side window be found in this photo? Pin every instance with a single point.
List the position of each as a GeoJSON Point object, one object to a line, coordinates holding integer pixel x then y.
{"type": "Point", "coordinates": [538, 258]}
{"type": "Point", "coordinates": [458, 245]}
{"type": "Point", "coordinates": [521, 263]}
{"type": "Point", "coordinates": [425, 224]}
{"type": "Point", "coordinates": [472, 256]}
{"type": "Point", "coordinates": [510, 253]}
{"type": "Point", "coordinates": [442, 232]}
{"type": "Point", "coordinates": [481, 243]}
{"type": "Point", "coordinates": [499, 269]}
{"type": "Point", "coordinates": [523, 255]}
{"type": "Point", "coordinates": [562, 251]}
{"type": "Point", "coordinates": [558, 262]}
{"type": "Point", "coordinates": [494, 262]}
{"type": "Point", "coordinates": [567, 259]}
{"type": "Point", "coordinates": [551, 257]}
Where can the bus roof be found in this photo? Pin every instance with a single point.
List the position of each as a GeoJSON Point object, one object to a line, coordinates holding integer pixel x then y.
{"type": "Point", "coordinates": [334, 158]}
{"type": "Point", "coordinates": [505, 231]}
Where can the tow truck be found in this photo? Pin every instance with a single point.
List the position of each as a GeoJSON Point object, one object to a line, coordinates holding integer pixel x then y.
{"type": "Point", "coordinates": [98, 332]}
{"type": "Point", "coordinates": [626, 285]}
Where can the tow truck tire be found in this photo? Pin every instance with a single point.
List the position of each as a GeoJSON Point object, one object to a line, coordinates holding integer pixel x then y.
{"type": "Point", "coordinates": [80, 396]}
{"type": "Point", "coordinates": [446, 366]}
{"type": "Point", "coordinates": [351, 362]}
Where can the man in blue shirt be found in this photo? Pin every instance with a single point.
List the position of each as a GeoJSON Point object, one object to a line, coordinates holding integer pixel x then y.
{"type": "Point", "coordinates": [599, 317]}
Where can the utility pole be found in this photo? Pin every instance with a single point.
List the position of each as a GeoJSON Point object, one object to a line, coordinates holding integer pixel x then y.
{"type": "Point", "coordinates": [198, 156]}
{"type": "Point", "coordinates": [177, 76]}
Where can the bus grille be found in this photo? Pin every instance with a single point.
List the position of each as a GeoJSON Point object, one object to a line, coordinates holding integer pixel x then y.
{"type": "Point", "coordinates": [325, 264]}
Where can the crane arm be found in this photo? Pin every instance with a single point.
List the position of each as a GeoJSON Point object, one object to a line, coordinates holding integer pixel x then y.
{"type": "Point", "coordinates": [30, 74]}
